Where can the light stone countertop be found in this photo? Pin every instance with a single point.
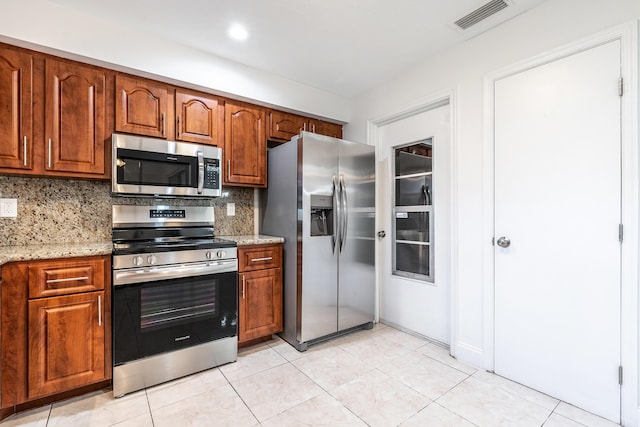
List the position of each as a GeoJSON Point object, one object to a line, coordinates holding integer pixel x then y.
{"type": "Point", "coordinates": [69, 250]}
{"type": "Point", "coordinates": [54, 250]}
{"type": "Point", "coordinates": [253, 239]}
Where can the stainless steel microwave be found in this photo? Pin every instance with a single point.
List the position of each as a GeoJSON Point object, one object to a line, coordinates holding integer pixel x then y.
{"type": "Point", "coordinates": [157, 167]}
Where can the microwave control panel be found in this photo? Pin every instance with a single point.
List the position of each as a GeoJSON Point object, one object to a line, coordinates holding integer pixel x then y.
{"type": "Point", "coordinates": [211, 173]}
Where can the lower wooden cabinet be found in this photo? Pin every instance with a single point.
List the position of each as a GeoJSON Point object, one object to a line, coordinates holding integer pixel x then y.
{"type": "Point", "coordinates": [66, 343]}
{"type": "Point", "coordinates": [260, 291]}
{"type": "Point", "coordinates": [55, 321]}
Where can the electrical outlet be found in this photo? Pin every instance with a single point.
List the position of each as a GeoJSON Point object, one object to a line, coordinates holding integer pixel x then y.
{"type": "Point", "coordinates": [231, 209]}
{"type": "Point", "coordinates": [9, 208]}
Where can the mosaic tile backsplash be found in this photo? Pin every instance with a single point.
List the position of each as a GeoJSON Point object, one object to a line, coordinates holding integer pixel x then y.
{"type": "Point", "coordinates": [77, 211]}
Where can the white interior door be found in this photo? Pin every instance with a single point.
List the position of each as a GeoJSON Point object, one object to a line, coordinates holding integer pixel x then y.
{"type": "Point", "coordinates": [557, 199]}
{"type": "Point", "coordinates": [414, 304]}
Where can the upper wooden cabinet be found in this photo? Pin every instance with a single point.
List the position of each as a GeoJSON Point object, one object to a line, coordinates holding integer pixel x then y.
{"type": "Point", "coordinates": [53, 116]}
{"type": "Point", "coordinates": [284, 126]}
{"type": "Point", "coordinates": [199, 118]}
{"type": "Point", "coordinates": [75, 118]}
{"type": "Point", "coordinates": [325, 128]}
{"type": "Point", "coordinates": [142, 107]}
{"type": "Point", "coordinates": [16, 116]}
{"type": "Point", "coordinates": [245, 145]}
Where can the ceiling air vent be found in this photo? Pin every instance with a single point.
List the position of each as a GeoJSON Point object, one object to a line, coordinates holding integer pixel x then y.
{"type": "Point", "coordinates": [481, 13]}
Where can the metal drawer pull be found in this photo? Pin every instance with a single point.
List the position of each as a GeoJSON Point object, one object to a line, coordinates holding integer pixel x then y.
{"type": "Point", "coordinates": [70, 279]}
{"type": "Point", "coordinates": [269, 258]}
{"type": "Point", "coordinates": [99, 310]}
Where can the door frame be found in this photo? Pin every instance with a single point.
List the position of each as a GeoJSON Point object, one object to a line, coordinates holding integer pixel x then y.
{"type": "Point", "coordinates": [628, 36]}
{"type": "Point", "coordinates": [430, 102]}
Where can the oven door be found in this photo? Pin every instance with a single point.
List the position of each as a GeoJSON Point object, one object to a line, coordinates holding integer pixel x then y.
{"type": "Point", "coordinates": [159, 316]}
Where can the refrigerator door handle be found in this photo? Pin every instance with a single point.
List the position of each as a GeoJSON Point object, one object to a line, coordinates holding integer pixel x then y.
{"type": "Point", "coordinates": [344, 212]}
{"type": "Point", "coordinates": [336, 219]}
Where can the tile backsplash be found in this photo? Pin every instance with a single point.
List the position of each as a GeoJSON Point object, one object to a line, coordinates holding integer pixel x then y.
{"type": "Point", "coordinates": [77, 211]}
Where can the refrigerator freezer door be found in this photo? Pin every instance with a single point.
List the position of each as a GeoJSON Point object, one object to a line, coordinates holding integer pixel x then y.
{"type": "Point", "coordinates": [318, 299]}
{"type": "Point", "coordinates": [356, 289]}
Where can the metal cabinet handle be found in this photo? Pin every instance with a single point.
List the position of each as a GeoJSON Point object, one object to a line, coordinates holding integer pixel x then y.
{"type": "Point", "coordinates": [313, 128]}
{"type": "Point", "coordinates": [68, 279]}
{"type": "Point", "coordinates": [243, 286]}
{"type": "Point", "coordinates": [24, 150]}
{"type": "Point", "coordinates": [229, 170]}
{"type": "Point", "coordinates": [179, 129]}
{"type": "Point", "coordinates": [162, 123]}
{"type": "Point", "coordinates": [269, 258]}
{"type": "Point", "coordinates": [49, 155]}
{"type": "Point", "coordinates": [99, 310]}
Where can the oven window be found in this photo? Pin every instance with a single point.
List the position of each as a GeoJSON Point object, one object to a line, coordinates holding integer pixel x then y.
{"type": "Point", "coordinates": [170, 305]}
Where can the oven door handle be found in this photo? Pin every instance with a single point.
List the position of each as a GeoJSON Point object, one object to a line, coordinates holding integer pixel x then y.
{"type": "Point", "coordinates": [140, 275]}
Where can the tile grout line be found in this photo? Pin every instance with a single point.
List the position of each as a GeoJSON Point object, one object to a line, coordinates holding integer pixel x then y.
{"type": "Point", "coordinates": [153, 423]}
{"type": "Point", "coordinates": [49, 414]}
{"type": "Point", "coordinates": [326, 391]}
{"type": "Point", "coordinates": [240, 397]}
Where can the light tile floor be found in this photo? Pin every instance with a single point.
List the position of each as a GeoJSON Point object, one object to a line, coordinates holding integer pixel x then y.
{"type": "Point", "coordinates": [381, 377]}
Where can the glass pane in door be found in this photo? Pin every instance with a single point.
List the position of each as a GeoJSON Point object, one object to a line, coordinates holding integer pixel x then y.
{"type": "Point", "coordinates": [413, 211]}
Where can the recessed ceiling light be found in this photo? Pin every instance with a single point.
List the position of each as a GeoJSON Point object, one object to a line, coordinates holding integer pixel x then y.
{"type": "Point", "coordinates": [238, 32]}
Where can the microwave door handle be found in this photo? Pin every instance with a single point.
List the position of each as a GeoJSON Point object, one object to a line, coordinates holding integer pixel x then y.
{"type": "Point", "coordinates": [200, 172]}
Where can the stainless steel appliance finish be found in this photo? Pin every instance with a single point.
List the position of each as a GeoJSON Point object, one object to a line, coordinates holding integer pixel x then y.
{"type": "Point", "coordinates": [157, 167]}
{"type": "Point", "coordinates": [158, 369]}
{"type": "Point", "coordinates": [321, 199]}
{"type": "Point", "coordinates": [174, 295]}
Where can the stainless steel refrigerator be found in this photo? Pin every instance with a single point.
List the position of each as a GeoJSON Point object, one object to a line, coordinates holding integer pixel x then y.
{"type": "Point", "coordinates": [321, 199]}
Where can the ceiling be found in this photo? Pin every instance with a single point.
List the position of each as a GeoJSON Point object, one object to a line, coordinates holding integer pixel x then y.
{"type": "Point", "coordinates": [344, 47]}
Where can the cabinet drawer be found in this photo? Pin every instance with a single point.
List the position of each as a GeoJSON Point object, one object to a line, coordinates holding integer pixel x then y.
{"type": "Point", "coordinates": [52, 278]}
{"type": "Point", "coordinates": [259, 257]}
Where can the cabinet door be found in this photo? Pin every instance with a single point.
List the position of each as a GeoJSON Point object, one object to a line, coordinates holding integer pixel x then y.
{"type": "Point", "coordinates": [260, 304]}
{"type": "Point", "coordinates": [199, 118]}
{"type": "Point", "coordinates": [245, 145]}
{"type": "Point", "coordinates": [66, 342]}
{"type": "Point", "coordinates": [326, 128]}
{"type": "Point", "coordinates": [284, 126]}
{"type": "Point", "coordinates": [75, 118]}
{"type": "Point", "coordinates": [141, 107]}
{"type": "Point", "coordinates": [16, 121]}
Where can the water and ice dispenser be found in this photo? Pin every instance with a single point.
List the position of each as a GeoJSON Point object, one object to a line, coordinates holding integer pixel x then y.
{"type": "Point", "coordinates": [321, 215]}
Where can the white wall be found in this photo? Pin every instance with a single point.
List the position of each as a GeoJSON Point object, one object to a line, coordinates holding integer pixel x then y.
{"type": "Point", "coordinates": [552, 24]}
{"type": "Point", "coordinates": [46, 26]}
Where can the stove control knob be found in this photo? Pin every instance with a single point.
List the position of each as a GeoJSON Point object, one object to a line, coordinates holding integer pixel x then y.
{"type": "Point", "coordinates": [209, 255]}
{"type": "Point", "coordinates": [137, 260]}
{"type": "Point", "coordinates": [220, 254]}
{"type": "Point", "coordinates": [152, 259]}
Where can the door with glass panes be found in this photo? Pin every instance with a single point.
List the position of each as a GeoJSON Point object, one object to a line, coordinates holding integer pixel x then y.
{"type": "Point", "coordinates": [414, 211]}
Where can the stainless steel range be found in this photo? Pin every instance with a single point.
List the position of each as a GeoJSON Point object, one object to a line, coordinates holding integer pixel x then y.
{"type": "Point", "coordinates": [175, 295]}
